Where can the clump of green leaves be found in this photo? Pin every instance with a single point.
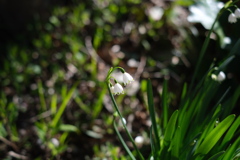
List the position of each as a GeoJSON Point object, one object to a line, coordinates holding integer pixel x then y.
{"type": "Point", "coordinates": [203, 127]}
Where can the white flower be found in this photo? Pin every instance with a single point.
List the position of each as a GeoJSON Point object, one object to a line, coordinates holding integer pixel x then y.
{"type": "Point", "coordinates": [156, 13]}
{"type": "Point", "coordinates": [204, 12]}
{"type": "Point", "coordinates": [237, 13]}
{"type": "Point", "coordinates": [117, 89]}
{"type": "Point", "coordinates": [124, 121]}
{"type": "Point", "coordinates": [232, 18]}
{"type": "Point", "coordinates": [221, 76]}
{"type": "Point", "coordinates": [120, 122]}
{"type": "Point", "coordinates": [127, 78]}
{"type": "Point", "coordinates": [214, 77]}
{"type": "Point", "coordinates": [139, 140]}
{"type": "Point", "coordinates": [55, 142]}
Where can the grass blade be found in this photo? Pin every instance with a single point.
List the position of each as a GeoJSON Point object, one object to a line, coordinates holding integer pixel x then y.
{"type": "Point", "coordinates": [231, 131]}
{"type": "Point", "coordinates": [98, 104]}
{"type": "Point", "coordinates": [152, 113]}
{"type": "Point", "coordinates": [41, 96]}
{"type": "Point", "coordinates": [231, 150]}
{"type": "Point", "coordinates": [63, 105]}
{"type": "Point", "coordinates": [171, 127]}
{"type": "Point", "coordinates": [54, 104]}
{"type": "Point", "coordinates": [216, 156]}
{"type": "Point", "coordinates": [164, 104]}
{"type": "Point", "coordinates": [176, 143]}
{"type": "Point", "coordinates": [213, 137]}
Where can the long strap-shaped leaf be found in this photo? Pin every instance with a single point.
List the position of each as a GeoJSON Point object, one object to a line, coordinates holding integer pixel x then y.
{"type": "Point", "coordinates": [152, 113]}
{"type": "Point", "coordinates": [63, 105]}
{"type": "Point", "coordinates": [213, 137]}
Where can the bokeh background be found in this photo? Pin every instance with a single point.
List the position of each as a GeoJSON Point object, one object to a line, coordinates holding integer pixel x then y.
{"type": "Point", "coordinates": [57, 53]}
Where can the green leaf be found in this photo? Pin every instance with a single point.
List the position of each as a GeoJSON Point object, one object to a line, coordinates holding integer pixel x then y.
{"type": "Point", "coordinates": [231, 131]}
{"type": "Point", "coordinates": [213, 137]}
{"type": "Point", "coordinates": [229, 154]}
{"type": "Point", "coordinates": [152, 113]}
{"type": "Point", "coordinates": [3, 132]}
{"type": "Point", "coordinates": [184, 91]}
{"type": "Point", "coordinates": [216, 156]}
{"type": "Point", "coordinates": [99, 103]}
{"type": "Point", "coordinates": [235, 49]}
{"type": "Point", "coordinates": [170, 129]}
{"type": "Point", "coordinates": [68, 128]}
{"type": "Point", "coordinates": [164, 104]}
{"type": "Point", "coordinates": [41, 95]}
{"type": "Point", "coordinates": [175, 145]}
{"type": "Point", "coordinates": [54, 104]}
{"type": "Point", "coordinates": [63, 106]}
{"type": "Point", "coordinates": [153, 144]}
{"type": "Point", "coordinates": [82, 106]}
{"type": "Point", "coordinates": [225, 63]}
{"type": "Point", "coordinates": [185, 3]}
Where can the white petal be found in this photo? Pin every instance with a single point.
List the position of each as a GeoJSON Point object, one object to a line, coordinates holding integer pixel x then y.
{"type": "Point", "coordinates": [124, 121]}
{"type": "Point", "coordinates": [221, 76]}
{"type": "Point", "coordinates": [118, 89]}
{"type": "Point", "coordinates": [237, 13]}
{"type": "Point", "coordinates": [139, 140]}
{"type": "Point", "coordinates": [127, 78]}
{"type": "Point", "coordinates": [232, 18]}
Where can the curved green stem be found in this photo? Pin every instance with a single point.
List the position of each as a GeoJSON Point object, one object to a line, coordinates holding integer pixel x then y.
{"type": "Point", "coordinates": [124, 125]}
{"type": "Point", "coordinates": [111, 71]}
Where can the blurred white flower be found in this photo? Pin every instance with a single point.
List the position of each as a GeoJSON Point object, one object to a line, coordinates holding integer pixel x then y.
{"type": "Point", "coordinates": [55, 142]}
{"type": "Point", "coordinates": [237, 13]}
{"type": "Point", "coordinates": [139, 140]}
{"type": "Point", "coordinates": [214, 77]}
{"type": "Point", "coordinates": [232, 18]}
{"type": "Point", "coordinates": [117, 89]}
{"type": "Point", "coordinates": [204, 12]}
{"type": "Point", "coordinates": [227, 40]}
{"type": "Point", "coordinates": [127, 78]}
{"type": "Point", "coordinates": [124, 121]}
{"type": "Point", "coordinates": [120, 124]}
{"type": "Point", "coordinates": [221, 76]}
{"type": "Point", "coordinates": [155, 13]}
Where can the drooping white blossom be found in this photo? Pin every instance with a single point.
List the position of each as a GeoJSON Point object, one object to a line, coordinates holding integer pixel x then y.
{"type": "Point", "coordinates": [232, 18]}
{"type": "Point", "coordinates": [117, 89]}
{"type": "Point", "coordinates": [237, 13]}
{"type": "Point", "coordinates": [221, 76]}
{"type": "Point", "coordinates": [127, 78]}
